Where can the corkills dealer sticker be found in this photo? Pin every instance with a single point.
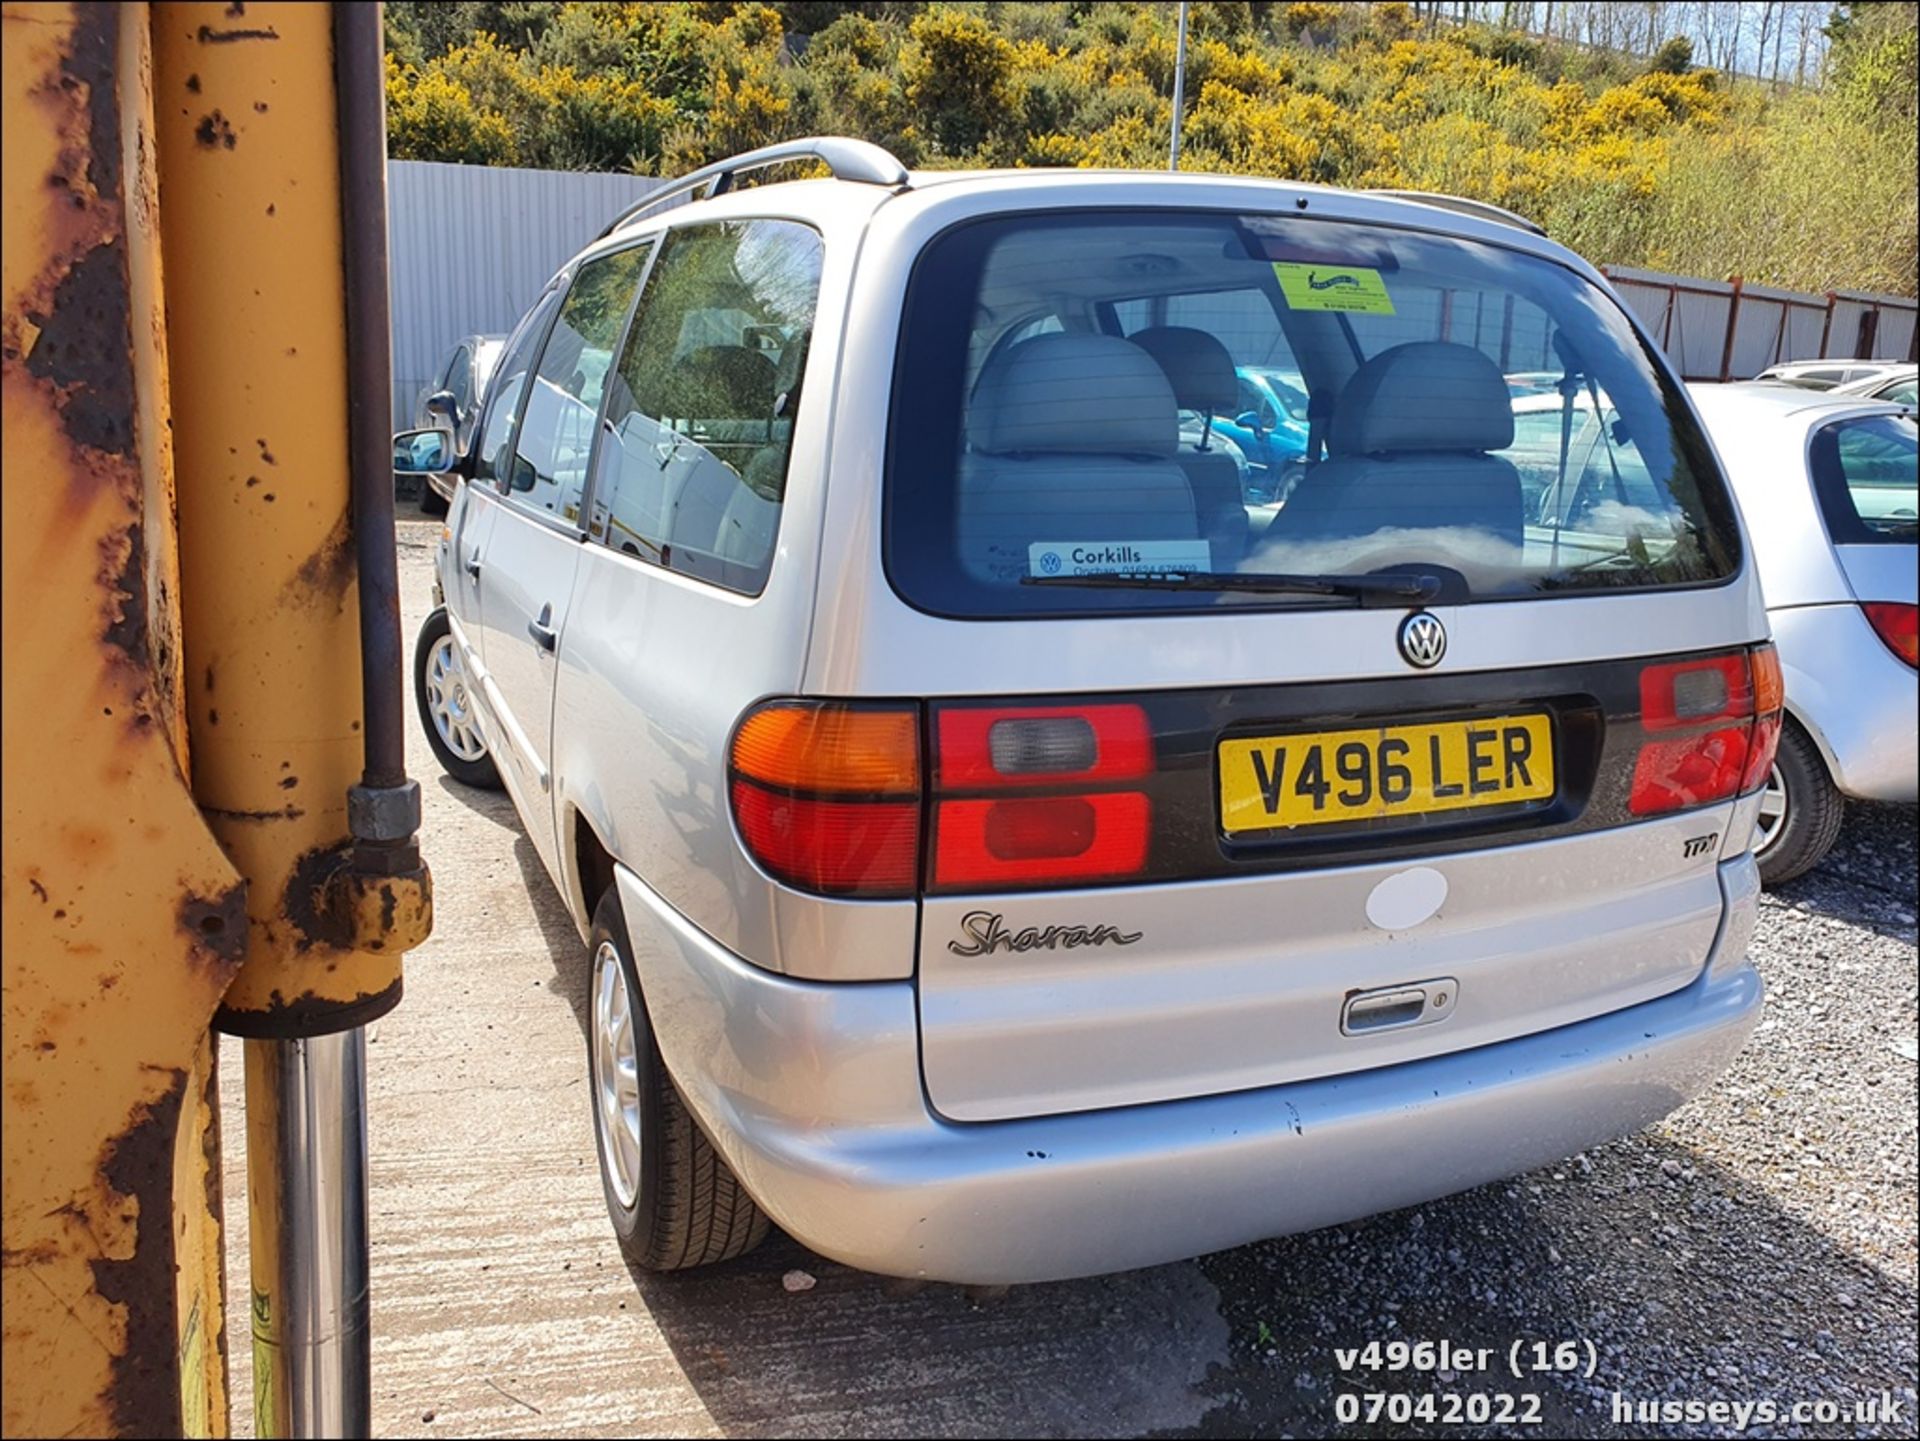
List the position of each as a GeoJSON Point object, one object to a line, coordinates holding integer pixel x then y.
{"type": "Point", "coordinates": [1117, 557]}
{"type": "Point", "coordinates": [1333, 287]}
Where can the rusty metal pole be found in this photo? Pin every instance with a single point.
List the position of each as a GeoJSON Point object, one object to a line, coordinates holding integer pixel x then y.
{"type": "Point", "coordinates": [272, 174]}
{"type": "Point", "coordinates": [123, 919]}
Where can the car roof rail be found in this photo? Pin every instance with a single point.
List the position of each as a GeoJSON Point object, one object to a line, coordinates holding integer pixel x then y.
{"type": "Point", "coordinates": [1480, 209]}
{"type": "Point", "coordinates": [848, 159]}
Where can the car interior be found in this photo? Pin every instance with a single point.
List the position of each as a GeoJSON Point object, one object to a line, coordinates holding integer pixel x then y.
{"type": "Point", "coordinates": [1101, 375]}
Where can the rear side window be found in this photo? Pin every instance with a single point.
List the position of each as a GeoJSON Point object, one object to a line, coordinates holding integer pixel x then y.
{"type": "Point", "coordinates": [1269, 396]}
{"type": "Point", "coordinates": [493, 455]}
{"type": "Point", "coordinates": [693, 469]}
{"type": "Point", "coordinates": [556, 437]}
{"type": "Point", "coordinates": [1864, 473]}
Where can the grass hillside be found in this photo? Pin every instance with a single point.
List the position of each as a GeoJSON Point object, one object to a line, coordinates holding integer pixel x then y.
{"type": "Point", "coordinates": [1631, 159]}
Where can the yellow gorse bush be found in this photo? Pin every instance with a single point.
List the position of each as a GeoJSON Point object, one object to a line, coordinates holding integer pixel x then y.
{"type": "Point", "coordinates": [1685, 171]}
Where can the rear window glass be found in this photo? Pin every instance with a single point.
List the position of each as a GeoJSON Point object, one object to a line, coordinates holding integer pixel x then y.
{"type": "Point", "coordinates": [1864, 472]}
{"type": "Point", "coordinates": [1117, 410]}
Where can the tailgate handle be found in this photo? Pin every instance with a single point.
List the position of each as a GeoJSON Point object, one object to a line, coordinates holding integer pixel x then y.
{"type": "Point", "coordinates": [1394, 1008]}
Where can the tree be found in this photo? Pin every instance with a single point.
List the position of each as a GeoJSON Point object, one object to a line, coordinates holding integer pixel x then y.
{"type": "Point", "coordinates": [1675, 57]}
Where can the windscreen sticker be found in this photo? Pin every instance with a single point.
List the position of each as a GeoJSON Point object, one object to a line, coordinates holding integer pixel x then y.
{"type": "Point", "coordinates": [1353, 288]}
{"type": "Point", "coordinates": [1117, 557]}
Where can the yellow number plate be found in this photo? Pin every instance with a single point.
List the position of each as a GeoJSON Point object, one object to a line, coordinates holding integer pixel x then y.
{"type": "Point", "coordinates": [1271, 782]}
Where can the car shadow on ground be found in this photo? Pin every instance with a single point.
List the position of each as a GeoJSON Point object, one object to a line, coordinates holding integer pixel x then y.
{"type": "Point", "coordinates": [1683, 1274]}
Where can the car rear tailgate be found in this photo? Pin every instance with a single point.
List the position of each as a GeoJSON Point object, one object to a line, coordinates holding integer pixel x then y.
{"type": "Point", "coordinates": [1242, 982]}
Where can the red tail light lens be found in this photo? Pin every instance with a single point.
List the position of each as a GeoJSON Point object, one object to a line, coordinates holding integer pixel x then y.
{"type": "Point", "coordinates": [1898, 626]}
{"type": "Point", "coordinates": [1073, 816]}
{"type": "Point", "coordinates": [984, 747]}
{"type": "Point", "coordinates": [827, 796]}
{"type": "Point", "coordinates": [1695, 692]}
{"type": "Point", "coordinates": [1714, 724]}
{"type": "Point", "coordinates": [1769, 699]}
{"type": "Point", "coordinates": [1676, 775]}
{"type": "Point", "coordinates": [1036, 840]}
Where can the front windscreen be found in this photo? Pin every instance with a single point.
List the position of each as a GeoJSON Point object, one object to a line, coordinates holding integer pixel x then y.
{"type": "Point", "coordinates": [1143, 410]}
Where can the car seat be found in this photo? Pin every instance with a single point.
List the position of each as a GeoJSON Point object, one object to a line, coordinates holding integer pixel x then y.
{"type": "Point", "coordinates": [1408, 450]}
{"type": "Point", "coordinates": [1070, 438]}
{"type": "Point", "coordinates": [1200, 369]}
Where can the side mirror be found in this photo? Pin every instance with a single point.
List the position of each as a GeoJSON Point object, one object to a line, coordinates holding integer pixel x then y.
{"type": "Point", "coordinates": [423, 452]}
{"type": "Point", "coordinates": [1247, 420]}
{"type": "Point", "coordinates": [442, 403]}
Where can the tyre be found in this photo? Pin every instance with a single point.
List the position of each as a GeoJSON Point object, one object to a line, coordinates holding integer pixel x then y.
{"type": "Point", "coordinates": [440, 689]}
{"type": "Point", "coordinates": [432, 502]}
{"type": "Point", "coordinates": [1799, 812]}
{"type": "Point", "coordinates": [672, 1199]}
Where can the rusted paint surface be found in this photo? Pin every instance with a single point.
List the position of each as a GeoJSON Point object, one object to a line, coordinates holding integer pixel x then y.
{"type": "Point", "coordinates": [118, 904]}
{"type": "Point", "coordinates": [250, 170]}
{"type": "Point", "coordinates": [144, 1399]}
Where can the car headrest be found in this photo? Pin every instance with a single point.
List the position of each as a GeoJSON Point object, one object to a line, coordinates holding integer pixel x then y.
{"type": "Point", "coordinates": [731, 382]}
{"type": "Point", "coordinates": [1426, 396]}
{"type": "Point", "coordinates": [1074, 395]}
{"type": "Point", "coordinates": [1197, 365]}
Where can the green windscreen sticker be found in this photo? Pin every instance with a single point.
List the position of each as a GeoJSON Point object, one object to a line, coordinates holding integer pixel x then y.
{"type": "Point", "coordinates": [1333, 287]}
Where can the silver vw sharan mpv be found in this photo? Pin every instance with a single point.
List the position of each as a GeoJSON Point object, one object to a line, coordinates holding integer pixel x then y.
{"type": "Point", "coordinates": [1012, 843]}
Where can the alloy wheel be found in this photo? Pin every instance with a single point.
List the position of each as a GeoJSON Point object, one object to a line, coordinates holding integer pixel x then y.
{"type": "Point", "coordinates": [450, 704]}
{"type": "Point", "coordinates": [616, 1074]}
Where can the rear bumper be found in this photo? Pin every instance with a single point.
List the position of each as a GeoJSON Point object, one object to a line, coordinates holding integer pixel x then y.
{"type": "Point", "coordinates": [812, 1092]}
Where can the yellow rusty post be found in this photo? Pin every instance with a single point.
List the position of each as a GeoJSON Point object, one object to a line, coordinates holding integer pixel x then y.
{"type": "Point", "coordinates": [123, 921]}
{"type": "Point", "coordinates": [272, 214]}
{"type": "Point", "coordinates": [242, 388]}
{"type": "Point", "coordinates": [256, 306]}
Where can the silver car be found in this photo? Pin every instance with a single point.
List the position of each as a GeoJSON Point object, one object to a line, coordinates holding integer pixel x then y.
{"type": "Point", "coordinates": [1828, 488]}
{"type": "Point", "coordinates": [1832, 373]}
{"type": "Point", "coordinates": [1005, 846]}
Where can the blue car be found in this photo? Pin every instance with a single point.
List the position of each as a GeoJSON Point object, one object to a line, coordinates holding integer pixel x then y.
{"type": "Point", "coordinates": [1270, 428]}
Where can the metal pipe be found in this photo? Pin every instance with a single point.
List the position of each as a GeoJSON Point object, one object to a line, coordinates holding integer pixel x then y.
{"type": "Point", "coordinates": [358, 65]}
{"type": "Point", "coordinates": [307, 1208]}
{"type": "Point", "coordinates": [1179, 88]}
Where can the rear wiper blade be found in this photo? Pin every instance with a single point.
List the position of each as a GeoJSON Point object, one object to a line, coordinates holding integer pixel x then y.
{"type": "Point", "coordinates": [1369, 590]}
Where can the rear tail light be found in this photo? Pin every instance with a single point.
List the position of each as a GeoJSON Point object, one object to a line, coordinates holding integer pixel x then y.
{"type": "Point", "coordinates": [827, 796]}
{"type": "Point", "coordinates": [1713, 725]}
{"type": "Point", "coordinates": [1057, 806]}
{"type": "Point", "coordinates": [1769, 704]}
{"type": "Point", "coordinates": [991, 748]}
{"type": "Point", "coordinates": [1897, 625]}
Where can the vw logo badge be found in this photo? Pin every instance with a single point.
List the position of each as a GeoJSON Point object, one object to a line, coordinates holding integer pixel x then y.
{"type": "Point", "coordinates": [1423, 640]}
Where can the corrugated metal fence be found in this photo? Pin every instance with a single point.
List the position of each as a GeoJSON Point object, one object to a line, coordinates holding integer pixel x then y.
{"type": "Point", "coordinates": [470, 246]}
{"type": "Point", "coordinates": [1729, 330]}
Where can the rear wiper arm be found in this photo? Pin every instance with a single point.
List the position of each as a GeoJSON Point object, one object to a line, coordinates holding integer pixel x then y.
{"type": "Point", "coordinates": [1368, 590]}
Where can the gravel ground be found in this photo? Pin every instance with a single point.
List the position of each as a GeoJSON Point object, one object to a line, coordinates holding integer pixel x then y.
{"type": "Point", "coordinates": [1760, 1243]}
{"type": "Point", "coordinates": [1757, 1245]}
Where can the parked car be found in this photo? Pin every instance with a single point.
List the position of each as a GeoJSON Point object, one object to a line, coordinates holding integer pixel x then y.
{"type": "Point", "coordinates": [1828, 374]}
{"type": "Point", "coordinates": [1899, 386]}
{"type": "Point", "coordinates": [1828, 487]}
{"type": "Point", "coordinates": [453, 399]}
{"type": "Point", "coordinates": [1269, 424]}
{"type": "Point", "coordinates": [998, 857]}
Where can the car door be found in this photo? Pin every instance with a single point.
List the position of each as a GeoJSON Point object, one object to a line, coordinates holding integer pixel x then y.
{"type": "Point", "coordinates": [527, 572]}
{"type": "Point", "coordinates": [471, 520]}
{"type": "Point", "coordinates": [681, 617]}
